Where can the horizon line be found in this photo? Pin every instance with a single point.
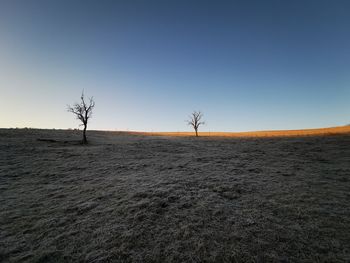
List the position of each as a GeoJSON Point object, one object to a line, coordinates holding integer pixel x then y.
{"type": "Point", "coordinates": [265, 133]}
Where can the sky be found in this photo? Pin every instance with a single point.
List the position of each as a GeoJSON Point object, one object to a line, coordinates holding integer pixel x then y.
{"type": "Point", "coordinates": [247, 65]}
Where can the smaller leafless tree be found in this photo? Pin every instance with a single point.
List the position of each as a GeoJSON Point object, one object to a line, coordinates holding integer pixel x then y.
{"type": "Point", "coordinates": [195, 120]}
{"type": "Point", "coordinates": [83, 112]}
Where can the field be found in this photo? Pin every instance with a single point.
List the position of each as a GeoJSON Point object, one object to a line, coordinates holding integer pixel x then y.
{"type": "Point", "coordinates": [277, 133]}
{"type": "Point", "coordinates": [137, 198]}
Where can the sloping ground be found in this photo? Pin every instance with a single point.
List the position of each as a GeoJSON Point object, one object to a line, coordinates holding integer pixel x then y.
{"type": "Point", "coordinates": [129, 198]}
{"type": "Point", "coordinates": [278, 133]}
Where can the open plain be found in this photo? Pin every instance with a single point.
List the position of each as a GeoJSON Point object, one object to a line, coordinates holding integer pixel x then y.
{"type": "Point", "coordinates": [137, 198]}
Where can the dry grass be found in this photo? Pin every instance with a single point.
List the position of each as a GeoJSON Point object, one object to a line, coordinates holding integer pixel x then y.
{"type": "Point", "coordinates": [278, 133]}
{"type": "Point", "coordinates": [134, 198]}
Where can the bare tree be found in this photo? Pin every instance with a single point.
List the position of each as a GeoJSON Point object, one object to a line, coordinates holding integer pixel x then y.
{"type": "Point", "coordinates": [83, 112]}
{"type": "Point", "coordinates": [195, 121]}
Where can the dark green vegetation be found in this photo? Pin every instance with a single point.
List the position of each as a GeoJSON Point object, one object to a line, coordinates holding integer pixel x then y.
{"type": "Point", "coordinates": [129, 198]}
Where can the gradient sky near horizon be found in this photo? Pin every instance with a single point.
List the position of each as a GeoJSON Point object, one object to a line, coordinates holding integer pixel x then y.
{"type": "Point", "coordinates": [247, 65]}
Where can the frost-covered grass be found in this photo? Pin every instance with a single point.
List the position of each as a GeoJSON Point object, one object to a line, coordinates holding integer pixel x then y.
{"type": "Point", "coordinates": [133, 198]}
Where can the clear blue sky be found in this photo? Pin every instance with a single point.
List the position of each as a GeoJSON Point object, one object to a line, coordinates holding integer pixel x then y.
{"type": "Point", "coordinates": [247, 65]}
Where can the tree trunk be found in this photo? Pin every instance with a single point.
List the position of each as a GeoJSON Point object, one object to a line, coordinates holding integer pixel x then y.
{"type": "Point", "coordinates": [84, 134]}
{"type": "Point", "coordinates": [196, 132]}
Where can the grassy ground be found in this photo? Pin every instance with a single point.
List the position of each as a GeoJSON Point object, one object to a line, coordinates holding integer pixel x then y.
{"type": "Point", "coordinates": [133, 198]}
{"type": "Point", "coordinates": [341, 130]}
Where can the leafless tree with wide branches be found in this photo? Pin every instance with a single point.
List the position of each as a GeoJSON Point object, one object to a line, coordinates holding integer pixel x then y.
{"type": "Point", "coordinates": [83, 112]}
{"type": "Point", "coordinates": [195, 120]}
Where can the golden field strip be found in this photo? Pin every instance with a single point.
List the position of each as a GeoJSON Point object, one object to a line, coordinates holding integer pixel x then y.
{"type": "Point", "coordinates": [277, 133]}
